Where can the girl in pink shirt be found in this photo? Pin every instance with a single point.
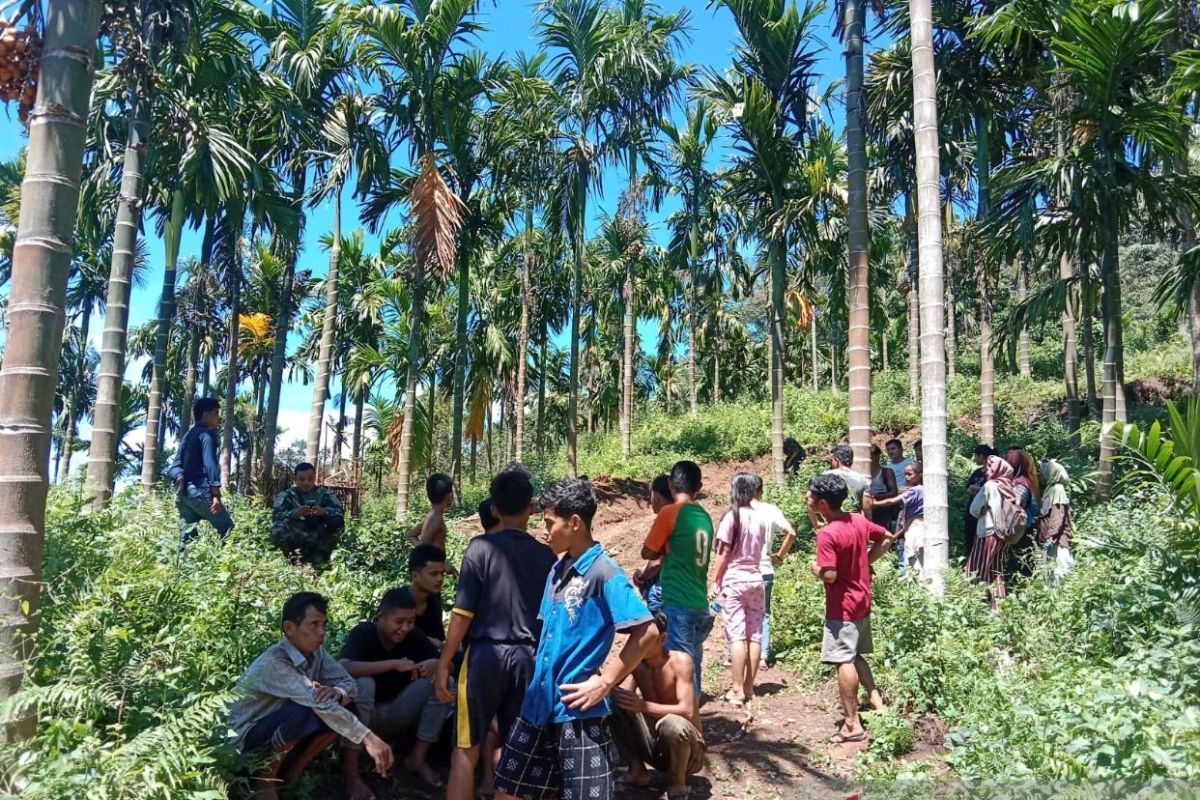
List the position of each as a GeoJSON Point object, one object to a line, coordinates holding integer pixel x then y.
{"type": "Point", "coordinates": [739, 582]}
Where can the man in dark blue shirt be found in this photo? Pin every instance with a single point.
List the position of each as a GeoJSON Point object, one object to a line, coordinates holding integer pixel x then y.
{"type": "Point", "coordinates": [197, 475]}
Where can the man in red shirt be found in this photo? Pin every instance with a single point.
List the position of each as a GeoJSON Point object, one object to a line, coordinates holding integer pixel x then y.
{"type": "Point", "coordinates": [847, 545]}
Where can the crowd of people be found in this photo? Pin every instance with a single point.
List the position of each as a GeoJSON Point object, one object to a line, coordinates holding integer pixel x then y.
{"type": "Point", "coordinates": [521, 683]}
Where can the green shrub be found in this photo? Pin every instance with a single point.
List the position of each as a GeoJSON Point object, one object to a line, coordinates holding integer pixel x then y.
{"type": "Point", "coordinates": [140, 647]}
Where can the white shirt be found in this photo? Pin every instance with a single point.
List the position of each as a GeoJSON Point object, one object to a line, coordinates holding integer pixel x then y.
{"type": "Point", "coordinates": [772, 516]}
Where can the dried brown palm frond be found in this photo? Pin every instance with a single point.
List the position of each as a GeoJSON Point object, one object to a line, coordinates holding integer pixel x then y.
{"type": "Point", "coordinates": [439, 216]}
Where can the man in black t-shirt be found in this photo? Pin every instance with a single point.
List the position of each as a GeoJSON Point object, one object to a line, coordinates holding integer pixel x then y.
{"type": "Point", "coordinates": [393, 664]}
{"type": "Point", "coordinates": [500, 588]}
{"type": "Point", "coordinates": [427, 571]}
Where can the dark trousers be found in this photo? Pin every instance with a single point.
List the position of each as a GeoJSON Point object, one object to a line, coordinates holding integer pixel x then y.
{"type": "Point", "coordinates": [289, 724]}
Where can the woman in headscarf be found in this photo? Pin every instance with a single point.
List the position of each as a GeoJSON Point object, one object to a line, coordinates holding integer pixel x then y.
{"type": "Point", "coordinates": [1054, 526]}
{"type": "Point", "coordinates": [974, 486]}
{"type": "Point", "coordinates": [986, 562]}
{"type": "Point", "coordinates": [1021, 550]}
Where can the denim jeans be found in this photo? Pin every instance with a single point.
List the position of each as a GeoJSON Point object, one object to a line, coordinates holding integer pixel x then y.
{"type": "Point", "coordinates": [768, 582]}
{"type": "Point", "coordinates": [196, 505]}
{"type": "Point", "coordinates": [687, 628]}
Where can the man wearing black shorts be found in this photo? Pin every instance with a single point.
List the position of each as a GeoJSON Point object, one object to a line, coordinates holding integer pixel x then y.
{"type": "Point", "coordinates": [496, 614]}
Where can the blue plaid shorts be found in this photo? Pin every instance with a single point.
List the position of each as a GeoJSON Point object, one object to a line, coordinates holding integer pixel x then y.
{"type": "Point", "coordinates": [572, 760]}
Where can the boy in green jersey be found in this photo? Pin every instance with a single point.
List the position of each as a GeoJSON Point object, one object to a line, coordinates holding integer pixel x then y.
{"type": "Point", "coordinates": [682, 535]}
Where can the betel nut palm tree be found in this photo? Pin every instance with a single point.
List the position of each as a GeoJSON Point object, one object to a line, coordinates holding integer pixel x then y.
{"type": "Point", "coordinates": [410, 47]}
{"type": "Point", "coordinates": [933, 340]}
{"type": "Point", "coordinates": [35, 317]}
{"type": "Point", "coordinates": [765, 99]}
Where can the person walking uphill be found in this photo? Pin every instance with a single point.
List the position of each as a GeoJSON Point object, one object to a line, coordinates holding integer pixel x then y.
{"type": "Point", "coordinates": [496, 614]}
{"type": "Point", "coordinates": [682, 535]}
{"type": "Point", "coordinates": [561, 745]}
{"type": "Point", "coordinates": [197, 475]}
{"type": "Point", "coordinates": [847, 545]}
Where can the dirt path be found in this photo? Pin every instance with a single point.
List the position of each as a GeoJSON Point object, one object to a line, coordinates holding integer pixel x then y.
{"type": "Point", "coordinates": [780, 748]}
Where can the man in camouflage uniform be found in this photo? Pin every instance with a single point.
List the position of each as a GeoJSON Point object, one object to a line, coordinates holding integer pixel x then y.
{"type": "Point", "coordinates": [307, 518]}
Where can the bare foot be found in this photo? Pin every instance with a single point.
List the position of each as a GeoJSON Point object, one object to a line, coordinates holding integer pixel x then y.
{"type": "Point", "coordinates": [356, 788]}
{"type": "Point", "coordinates": [423, 771]}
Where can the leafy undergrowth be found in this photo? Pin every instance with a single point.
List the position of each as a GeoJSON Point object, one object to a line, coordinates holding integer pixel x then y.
{"type": "Point", "coordinates": [140, 647]}
{"type": "Point", "coordinates": [1093, 679]}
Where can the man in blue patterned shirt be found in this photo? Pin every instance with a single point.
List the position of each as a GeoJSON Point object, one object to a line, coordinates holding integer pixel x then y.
{"type": "Point", "coordinates": [560, 745]}
{"type": "Point", "coordinates": [197, 475]}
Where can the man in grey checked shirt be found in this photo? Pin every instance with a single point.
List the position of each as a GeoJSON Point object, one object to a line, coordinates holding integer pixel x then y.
{"type": "Point", "coordinates": [295, 700]}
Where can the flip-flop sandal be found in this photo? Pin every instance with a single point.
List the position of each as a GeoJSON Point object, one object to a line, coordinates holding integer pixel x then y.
{"type": "Point", "coordinates": [841, 738]}
{"type": "Point", "coordinates": [733, 701]}
{"type": "Point", "coordinates": [684, 795]}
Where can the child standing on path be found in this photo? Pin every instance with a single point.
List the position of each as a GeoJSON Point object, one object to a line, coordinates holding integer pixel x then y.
{"type": "Point", "coordinates": [560, 745]}
{"type": "Point", "coordinates": [496, 614]}
{"type": "Point", "coordinates": [770, 558]}
{"type": "Point", "coordinates": [682, 535]}
{"type": "Point", "coordinates": [739, 583]}
{"type": "Point", "coordinates": [647, 578]}
{"type": "Point", "coordinates": [847, 545]}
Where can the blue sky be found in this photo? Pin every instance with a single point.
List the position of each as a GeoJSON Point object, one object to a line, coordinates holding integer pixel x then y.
{"type": "Point", "coordinates": [510, 28]}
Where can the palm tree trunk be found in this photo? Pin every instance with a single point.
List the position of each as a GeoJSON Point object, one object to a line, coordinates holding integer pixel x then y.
{"type": "Point", "coordinates": [858, 351]}
{"type": "Point", "coordinates": [1023, 366]}
{"type": "Point", "coordinates": [1089, 347]}
{"type": "Point", "coordinates": [253, 429]}
{"type": "Point", "coordinates": [316, 415]}
{"type": "Point", "coordinates": [1066, 271]}
{"type": "Point", "coordinates": [778, 282]}
{"type": "Point", "coordinates": [884, 344]}
{"type": "Point", "coordinates": [85, 326]}
{"type": "Point", "coordinates": [340, 438]}
{"type": "Point", "coordinates": [833, 356]}
{"type": "Point", "coordinates": [541, 402]}
{"type": "Point", "coordinates": [523, 333]}
{"type": "Point", "coordinates": [206, 384]}
{"type": "Point", "coordinates": [576, 297]}
{"type": "Point", "coordinates": [166, 314]}
{"type": "Point", "coordinates": [431, 459]}
{"type": "Point", "coordinates": [630, 321]}
{"type": "Point", "coordinates": [933, 355]}
{"type": "Point", "coordinates": [987, 368]}
{"type": "Point", "coordinates": [283, 324]}
{"type": "Point", "coordinates": [716, 374]}
{"type": "Point", "coordinates": [233, 233]}
{"type": "Point", "coordinates": [913, 304]}
{"type": "Point", "coordinates": [37, 296]}
{"type": "Point", "coordinates": [189, 381]}
{"type": "Point", "coordinates": [812, 339]}
{"type": "Point", "coordinates": [460, 359]}
{"type": "Point", "coordinates": [106, 415]}
{"type": "Point", "coordinates": [693, 263]}
{"type": "Point", "coordinates": [627, 364]}
{"type": "Point", "coordinates": [356, 442]}
{"type": "Point", "coordinates": [987, 365]}
{"type": "Point", "coordinates": [1110, 276]}
{"type": "Point", "coordinates": [951, 328]}
{"type": "Point", "coordinates": [490, 457]}
{"type": "Point", "coordinates": [410, 398]}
